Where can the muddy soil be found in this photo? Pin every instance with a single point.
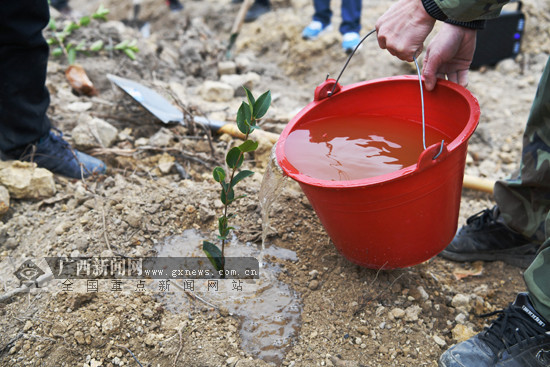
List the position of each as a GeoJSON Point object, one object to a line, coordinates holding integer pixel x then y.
{"type": "Point", "coordinates": [159, 185]}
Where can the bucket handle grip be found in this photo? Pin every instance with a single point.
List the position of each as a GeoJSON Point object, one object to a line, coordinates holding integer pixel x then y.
{"type": "Point", "coordinates": [432, 155]}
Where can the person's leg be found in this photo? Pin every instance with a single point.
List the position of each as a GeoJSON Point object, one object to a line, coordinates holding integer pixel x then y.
{"type": "Point", "coordinates": [351, 16]}
{"type": "Point", "coordinates": [514, 231]}
{"type": "Point", "coordinates": [323, 13]}
{"type": "Point", "coordinates": [521, 335]}
{"type": "Point", "coordinates": [24, 98]}
{"type": "Point", "coordinates": [258, 8]}
{"type": "Point", "coordinates": [524, 201]}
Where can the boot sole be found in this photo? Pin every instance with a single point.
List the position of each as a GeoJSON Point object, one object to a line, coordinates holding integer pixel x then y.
{"type": "Point", "coordinates": [517, 257]}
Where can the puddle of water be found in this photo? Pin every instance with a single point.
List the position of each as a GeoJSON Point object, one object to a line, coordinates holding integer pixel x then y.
{"type": "Point", "coordinates": [269, 309]}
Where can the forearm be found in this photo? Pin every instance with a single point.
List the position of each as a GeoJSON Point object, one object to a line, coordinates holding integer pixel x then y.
{"type": "Point", "coordinates": [463, 10]}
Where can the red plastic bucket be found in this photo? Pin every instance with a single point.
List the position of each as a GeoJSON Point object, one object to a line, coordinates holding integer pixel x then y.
{"type": "Point", "coordinates": [404, 217]}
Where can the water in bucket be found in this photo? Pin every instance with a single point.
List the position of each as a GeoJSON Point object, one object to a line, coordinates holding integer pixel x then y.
{"type": "Point", "coordinates": [356, 147]}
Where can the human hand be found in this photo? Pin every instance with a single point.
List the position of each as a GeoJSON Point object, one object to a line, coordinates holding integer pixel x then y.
{"type": "Point", "coordinates": [403, 28]}
{"type": "Point", "coordinates": [449, 55]}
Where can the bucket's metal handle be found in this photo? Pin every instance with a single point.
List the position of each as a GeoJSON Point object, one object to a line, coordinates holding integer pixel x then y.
{"type": "Point", "coordinates": [336, 85]}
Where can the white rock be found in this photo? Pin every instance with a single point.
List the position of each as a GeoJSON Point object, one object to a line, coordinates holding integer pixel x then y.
{"type": "Point", "coordinates": [79, 106]}
{"type": "Point", "coordinates": [4, 200]}
{"type": "Point", "coordinates": [24, 180]}
{"type": "Point", "coordinates": [216, 91]}
{"type": "Point", "coordinates": [412, 312]}
{"type": "Point", "coordinates": [161, 138]}
{"type": "Point", "coordinates": [237, 81]}
{"type": "Point", "coordinates": [227, 67]}
{"type": "Point", "coordinates": [461, 302]}
{"type": "Point", "coordinates": [110, 324]}
{"type": "Point", "coordinates": [439, 340]}
{"type": "Point", "coordinates": [397, 313]}
{"type": "Point", "coordinates": [94, 133]}
{"type": "Point", "coordinates": [166, 162]}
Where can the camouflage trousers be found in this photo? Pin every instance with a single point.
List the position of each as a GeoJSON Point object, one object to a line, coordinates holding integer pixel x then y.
{"type": "Point", "coordinates": [524, 200]}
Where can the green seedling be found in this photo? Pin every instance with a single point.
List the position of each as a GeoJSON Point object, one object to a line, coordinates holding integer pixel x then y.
{"type": "Point", "coordinates": [247, 119]}
{"type": "Point", "coordinates": [66, 45]}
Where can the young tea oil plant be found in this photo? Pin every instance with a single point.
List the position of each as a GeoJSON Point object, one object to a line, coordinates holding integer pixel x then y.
{"type": "Point", "coordinates": [63, 44]}
{"type": "Point", "coordinates": [247, 119]}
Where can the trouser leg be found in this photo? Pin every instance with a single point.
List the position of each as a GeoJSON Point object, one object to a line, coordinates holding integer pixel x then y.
{"type": "Point", "coordinates": [323, 13]}
{"type": "Point", "coordinates": [351, 16]}
{"type": "Point", "coordinates": [24, 98]}
{"type": "Point", "coordinates": [524, 201]}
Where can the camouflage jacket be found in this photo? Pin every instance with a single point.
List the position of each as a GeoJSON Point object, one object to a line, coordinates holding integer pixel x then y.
{"type": "Point", "coordinates": [464, 10]}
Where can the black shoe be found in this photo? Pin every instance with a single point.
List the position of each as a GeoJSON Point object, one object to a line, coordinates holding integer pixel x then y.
{"type": "Point", "coordinates": [255, 11]}
{"type": "Point", "coordinates": [485, 237]}
{"type": "Point", "coordinates": [520, 337]}
{"type": "Point", "coordinates": [56, 155]}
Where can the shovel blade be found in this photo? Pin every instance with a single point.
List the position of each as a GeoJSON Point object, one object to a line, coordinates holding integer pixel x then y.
{"type": "Point", "coordinates": [153, 102]}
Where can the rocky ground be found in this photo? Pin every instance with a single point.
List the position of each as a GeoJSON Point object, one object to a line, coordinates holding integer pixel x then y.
{"type": "Point", "coordinates": [159, 185]}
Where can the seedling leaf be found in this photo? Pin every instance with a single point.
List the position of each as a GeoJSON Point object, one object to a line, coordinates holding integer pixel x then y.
{"type": "Point", "coordinates": [213, 253]}
{"type": "Point", "coordinates": [240, 176]}
{"type": "Point", "coordinates": [262, 105]}
{"type": "Point", "coordinates": [219, 174]}
{"type": "Point", "coordinates": [234, 158]}
{"type": "Point", "coordinates": [243, 118]}
{"type": "Point", "coordinates": [248, 146]}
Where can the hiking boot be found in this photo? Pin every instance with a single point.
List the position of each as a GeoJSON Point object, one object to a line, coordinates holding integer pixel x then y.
{"type": "Point", "coordinates": [315, 29]}
{"type": "Point", "coordinates": [485, 237]}
{"type": "Point", "coordinates": [255, 11]}
{"type": "Point", "coordinates": [350, 41]}
{"type": "Point", "coordinates": [520, 337]}
{"type": "Point", "coordinates": [56, 155]}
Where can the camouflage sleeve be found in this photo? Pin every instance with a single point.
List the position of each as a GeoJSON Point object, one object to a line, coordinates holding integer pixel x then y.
{"type": "Point", "coordinates": [464, 10]}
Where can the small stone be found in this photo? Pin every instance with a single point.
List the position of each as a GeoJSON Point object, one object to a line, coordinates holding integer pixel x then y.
{"type": "Point", "coordinates": [28, 325]}
{"type": "Point", "coordinates": [79, 337]}
{"type": "Point", "coordinates": [24, 180]}
{"type": "Point", "coordinates": [461, 318]}
{"type": "Point", "coordinates": [161, 138]}
{"type": "Point", "coordinates": [412, 312]}
{"type": "Point", "coordinates": [94, 133]}
{"type": "Point", "coordinates": [397, 313]}
{"type": "Point", "coordinates": [227, 67]}
{"type": "Point", "coordinates": [4, 200]}
{"type": "Point", "coordinates": [461, 302]}
{"type": "Point", "coordinates": [462, 332]}
{"type": "Point", "coordinates": [313, 285]}
{"type": "Point", "coordinates": [148, 313]}
{"type": "Point", "coordinates": [166, 162]}
{"type": "Point", "coordinates": [314, 274]}
{"type": "Point", "coordinates": [62, 228]}
{"type": "Point", "coordinates": [363, 330]}
{"type": "Point", "coordinates": [439, 341]}
{"type": "Point", "coordinates": [150, 340]}
{"type": "Point", "coordinates": [249, 80]}
{"type": "Point", "coordinates": [134, 219]}
{"type": "Point", "coordinates": [216, 91]}
{"type": "Point", "coordinates": [110, 324]}
{"type": "Point", "coordinates": [79, 106]}
{"type": "Point", "coordinates": [231, 361]}
{"type": "Point", "coordinates": [224, 312]}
